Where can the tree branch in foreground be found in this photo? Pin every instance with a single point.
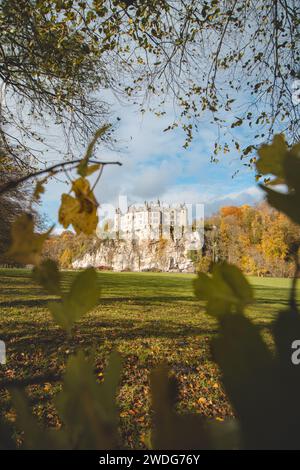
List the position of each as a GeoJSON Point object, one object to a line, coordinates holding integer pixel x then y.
{"type": "Point", "coordinates": [52, 169]}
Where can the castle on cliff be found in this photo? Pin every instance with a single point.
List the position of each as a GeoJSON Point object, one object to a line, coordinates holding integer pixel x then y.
{"type": "Point", "coordinates": [151, 221]}
{"type": "Point", "coordinates": [147, 237]}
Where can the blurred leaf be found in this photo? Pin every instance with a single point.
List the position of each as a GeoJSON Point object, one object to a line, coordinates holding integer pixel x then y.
{"type": "Point", "coordinates": [88, 408]}
{"type": "Point", "coordinates": [26, 245]}
{"type": "Point", "coordinates": [92, 168]}
{"type": "Point", "coordinates": [286, 328]}
{"type": "Point", "coordinates": [289, 162]}
{"type": "Point", "coordinates": [69, 210]}
{"type": "Point", "coordinates": [81, 298]}
{"type": "Point", "coordinates": [83, 169]}
{"type": "Point", "coordinates": [172, 430]}
{"type": "Point", "coordinates": [251, 381]}
{"type": "Point", "coordinates": [6, 436]}
{"type": "Point", "coordinates": [292, 168]}
{"type": "Point", "coordinates": [226, 291]}
{"type": "Point", "coordinates": [81, 211]}
{"type": "Point", "coordinates": [36, 436]}
{"type": "Point", "coordinates": [99, 133]}
{"type": "Point", "coordinates": [271, 158]}
{"type": "Point", "coordinates": [289, 204]}
{"type": "Point", "coordinates": [48, 275]}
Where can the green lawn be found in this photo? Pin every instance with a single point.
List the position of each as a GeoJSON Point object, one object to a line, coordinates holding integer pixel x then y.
{"type": "Point", "coordinates": [148, 317]}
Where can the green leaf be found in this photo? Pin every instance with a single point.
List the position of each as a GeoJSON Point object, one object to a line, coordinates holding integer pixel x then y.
{"type": "Point", "coordinates": [6, 436]}
{"type": "Point", "coordinates": [292, 168]}
{"type": "Point", "coordinates": [288, 168]}
{"type": "Point", "coordinates": [250, 380]}
{"type": "Point", "coordinates": [88, 408]}
{"type": "Point", "coordinates": [81, 298]}
{"type": "Point", "coordinates": [172, 430]}
{"type": "Point", "coordinates": [226, 291]}
{"type": "Point", "coordinates": [48, 275]}
{"type": "Point", "coordinates": [35, 436]}
{"type": "Point", "coordinates": [286, 329]}
{"type": "Point", "coordinates": [271, 157]}
{"type": "Point", "coordinates": [287, 203]}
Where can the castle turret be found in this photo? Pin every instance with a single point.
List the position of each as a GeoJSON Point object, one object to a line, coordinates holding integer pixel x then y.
{"type": "Point", "coordinates": [117, 221]}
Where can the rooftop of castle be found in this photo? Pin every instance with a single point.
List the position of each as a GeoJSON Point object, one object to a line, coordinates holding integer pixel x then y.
{"type": "Point", "coordinates": [153, 206]}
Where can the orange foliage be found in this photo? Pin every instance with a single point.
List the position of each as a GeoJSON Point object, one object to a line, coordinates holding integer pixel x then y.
{"type": "Point", "coordinates": [231, 210]}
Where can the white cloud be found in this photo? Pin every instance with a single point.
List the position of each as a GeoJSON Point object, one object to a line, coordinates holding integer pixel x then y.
{"type": "Point", "coordinates": [156, 166]}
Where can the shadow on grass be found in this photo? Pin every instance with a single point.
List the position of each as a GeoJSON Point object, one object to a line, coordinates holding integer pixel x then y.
{"type": "Point", "coordinates": [18, 299]}
{"type": "Point", "coordinates": [94, 331]}
{"type": "Point", "coordinates": [24, 303]}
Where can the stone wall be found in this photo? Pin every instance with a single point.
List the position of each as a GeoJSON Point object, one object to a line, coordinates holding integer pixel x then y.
{"type": "Point", "coordinates": [143, 255]}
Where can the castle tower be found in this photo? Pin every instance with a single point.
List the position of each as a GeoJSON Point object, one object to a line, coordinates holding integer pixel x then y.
{"type": "Point", "coordinates": [183, 218]}
{"type": "Point", "coordinates": [117, 221]}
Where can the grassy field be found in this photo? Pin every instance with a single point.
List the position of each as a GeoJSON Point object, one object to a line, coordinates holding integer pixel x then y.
{"type": "Point", "coordinates": [147, 317]}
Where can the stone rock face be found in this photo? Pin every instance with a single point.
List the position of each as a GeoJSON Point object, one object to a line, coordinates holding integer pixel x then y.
{"type": "Point", "coordinates": [133, 255]}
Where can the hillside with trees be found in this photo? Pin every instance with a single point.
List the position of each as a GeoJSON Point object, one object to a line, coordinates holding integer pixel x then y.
{"type": "Point", "coordinates": [259, 240]}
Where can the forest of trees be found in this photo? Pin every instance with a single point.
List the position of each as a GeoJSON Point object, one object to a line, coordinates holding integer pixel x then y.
{"type": "Point", "coordinates": [259, 240]}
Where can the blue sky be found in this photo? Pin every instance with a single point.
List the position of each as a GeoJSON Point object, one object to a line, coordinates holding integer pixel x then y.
{"type": "Point", "coordinates": [155, 165]}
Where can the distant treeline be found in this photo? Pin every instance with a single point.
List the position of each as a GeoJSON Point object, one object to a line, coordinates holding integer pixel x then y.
{"type": "Point", "coordinates": [259, 240]}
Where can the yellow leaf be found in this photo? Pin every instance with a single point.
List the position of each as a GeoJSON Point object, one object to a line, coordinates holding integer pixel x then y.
{"type": "Point", "coordinates": [69, 208]}
{"type": "Point", "coordinates": [81, 211]}
{"type": "Point", "coordinates": [202, 400]}
{"type": "Point", "coordinates": [92, 168]}
{"type": "Point", "coordinates": [47, 387]}
{"type": "Point", "coordinates": [99, 133]}
{"type": "Point", "coordinates": [84, 170]}
{"type": "Point", "coordinates": [81, 188]}
{"type": "Point", "coordinates": [39, 189]}
{"type": "Point", "coordinates": [26, 245]}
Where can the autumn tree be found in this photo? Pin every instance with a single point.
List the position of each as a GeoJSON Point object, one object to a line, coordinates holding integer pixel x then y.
{"type": "Point", "coordinates": [12, 203]}
{"type": "Point", "coordinates": [260, 240]}
{"type": "Point", "coordinates": [230, 62]}
{"type": "Point", "coordinates": [51, 67]}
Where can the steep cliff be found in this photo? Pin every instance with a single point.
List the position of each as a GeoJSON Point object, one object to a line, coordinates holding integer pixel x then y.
{"type": "Point", "coordinates": [143, 255]}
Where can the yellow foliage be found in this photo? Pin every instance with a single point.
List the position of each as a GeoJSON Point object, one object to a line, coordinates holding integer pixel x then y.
{"type": "Point", "coordinates": [248, 265]}
{"type": "Point", "coordinates": [66, 258]}
{"type": "Point", "coordinates": [274, 247]}
{"type": "Point", "coordinates": [26, 245]}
